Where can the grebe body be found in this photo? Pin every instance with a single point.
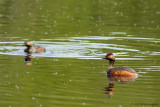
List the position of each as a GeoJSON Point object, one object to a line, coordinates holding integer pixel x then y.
{"type": "Point", "coordinates": [32, 48]}
{"type": "Point", "coordinates": [118, 71]}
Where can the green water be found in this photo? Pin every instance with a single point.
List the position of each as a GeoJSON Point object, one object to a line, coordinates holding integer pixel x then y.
{"type": "Point", "coordinates": [76, 35]}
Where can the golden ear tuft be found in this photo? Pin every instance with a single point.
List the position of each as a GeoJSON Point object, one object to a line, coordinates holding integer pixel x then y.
{"type": "Point", "coordinates": [112, 57]}
{"type": "Point", "coordinates": [29, 43]}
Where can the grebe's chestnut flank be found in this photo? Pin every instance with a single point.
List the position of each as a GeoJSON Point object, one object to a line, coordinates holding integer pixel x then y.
{"type": "Point", "coordinates": [118, 71]}
{"type": "Point", "coordinates": [32, 48]}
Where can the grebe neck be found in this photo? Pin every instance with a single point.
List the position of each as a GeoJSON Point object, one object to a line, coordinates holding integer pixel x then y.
{"type": "Point", "coordinates": [27, 49]}
{"type": "Point", "coordinates": [111, 63]}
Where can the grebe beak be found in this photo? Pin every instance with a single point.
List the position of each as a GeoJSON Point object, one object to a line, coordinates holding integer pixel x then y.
{"type": "Point", "coordinates": [104, 58]}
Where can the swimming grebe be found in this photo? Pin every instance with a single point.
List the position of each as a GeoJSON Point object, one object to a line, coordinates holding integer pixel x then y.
{"type": "Point", "coordinates": [118, 71]}
{"type": "Point", "coordinates": [32, 48]}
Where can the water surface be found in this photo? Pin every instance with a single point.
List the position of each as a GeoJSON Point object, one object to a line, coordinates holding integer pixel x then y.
{"type": "Point", "coordinates": [76, 35]}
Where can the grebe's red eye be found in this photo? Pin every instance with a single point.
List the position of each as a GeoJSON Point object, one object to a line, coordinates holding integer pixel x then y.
{"type": "Point", "coordinates": [107, 56]}
{"type": "Point", "coordinates": [26, 43]}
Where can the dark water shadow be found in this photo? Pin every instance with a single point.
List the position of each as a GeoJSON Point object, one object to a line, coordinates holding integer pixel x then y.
{"type": "Point", "coordinates": [109, 90]}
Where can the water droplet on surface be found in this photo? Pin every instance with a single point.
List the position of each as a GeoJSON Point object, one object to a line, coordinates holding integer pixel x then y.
{"type": "Point", "coordinates": [55, 73]}
{"type": "Point", "coordinates": [17, 87]}
{"type": "Point", "coordinates": [115, 4]}
{"type": "Point", "coordinates": [83, 103]}
{"type": "Point", "coordinates": [33, 98]}
{"type": "Point", "coordinates": [46, 33]}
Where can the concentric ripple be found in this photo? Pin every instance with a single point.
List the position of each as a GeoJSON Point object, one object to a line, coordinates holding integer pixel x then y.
{"type": "Point", "coordinates": [76, 47]}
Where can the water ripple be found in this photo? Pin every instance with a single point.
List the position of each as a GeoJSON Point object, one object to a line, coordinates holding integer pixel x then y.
{"type": "Point", "coordinates": [75, 47]}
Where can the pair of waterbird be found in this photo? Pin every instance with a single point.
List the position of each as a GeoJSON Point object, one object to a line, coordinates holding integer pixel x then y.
{"type": "Point", "coordinates": [112, 71]}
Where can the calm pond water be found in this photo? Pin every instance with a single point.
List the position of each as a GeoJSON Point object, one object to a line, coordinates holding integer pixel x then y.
{"type": "Point", "coordinates": [77, 35]}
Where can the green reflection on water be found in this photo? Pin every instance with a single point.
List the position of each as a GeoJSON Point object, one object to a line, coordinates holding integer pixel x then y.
{"type": "Point", "coordinates": [39, 19]}
{"type": "Point", "coordinates": [80, 82]}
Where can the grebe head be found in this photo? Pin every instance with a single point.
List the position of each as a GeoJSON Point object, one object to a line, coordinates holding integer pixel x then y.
{"type": "Point", "coordinates": [109, 56]}
{"type": "Point", "coordinates": [27, 43]}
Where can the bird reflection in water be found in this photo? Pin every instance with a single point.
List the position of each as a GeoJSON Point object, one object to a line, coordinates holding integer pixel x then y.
{"type": "Point", "coordinates": [120, 79]}
{"type": "Point", "coordinates": [109, 90]}
{"type": "Point", "coordinates": [28, 60]}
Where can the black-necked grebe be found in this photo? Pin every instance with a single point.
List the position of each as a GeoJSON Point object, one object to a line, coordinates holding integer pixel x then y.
{"type": "Point", "coordinates": [118, 71]}
{"type": "Point", "coordinates": [32, 48]}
